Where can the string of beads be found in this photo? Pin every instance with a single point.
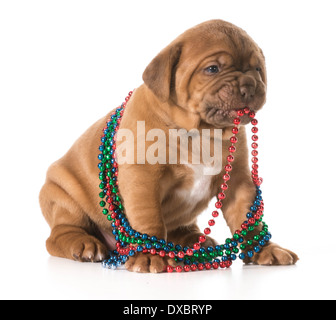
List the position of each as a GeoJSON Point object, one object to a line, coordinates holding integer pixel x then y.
{"type": "Point", "coordinates": [130, 242]}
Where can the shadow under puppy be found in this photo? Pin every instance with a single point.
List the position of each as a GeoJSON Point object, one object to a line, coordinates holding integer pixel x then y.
{"type": "Point", "coordinates": [196, 82]}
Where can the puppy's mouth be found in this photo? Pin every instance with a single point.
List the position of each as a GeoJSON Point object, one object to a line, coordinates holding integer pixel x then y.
{"type": "Point", "coordinates": [221, 117]}
{"type": "Point", "coordinates": [218, 113]}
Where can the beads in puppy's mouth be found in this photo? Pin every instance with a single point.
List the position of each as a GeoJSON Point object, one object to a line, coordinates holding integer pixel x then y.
{"type": "Point", "coordinates": [131, 242]}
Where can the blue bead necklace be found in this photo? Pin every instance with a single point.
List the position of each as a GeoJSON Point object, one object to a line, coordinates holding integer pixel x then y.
{"type": "Point", "coordinates": [244, 243]}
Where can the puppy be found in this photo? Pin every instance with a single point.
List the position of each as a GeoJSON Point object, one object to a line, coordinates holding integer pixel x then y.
{"type": "Point", "coordinates": [196, 82]}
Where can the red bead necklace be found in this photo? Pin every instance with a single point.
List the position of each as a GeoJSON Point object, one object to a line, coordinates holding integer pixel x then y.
{"type": "Point", "coordinates": [131, 242]}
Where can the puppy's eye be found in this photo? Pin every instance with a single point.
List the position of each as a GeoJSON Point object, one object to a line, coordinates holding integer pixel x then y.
{"type": "Point", "coordinates": [258, 69]}
{"type": "Point", "coordinates": [212, 69]}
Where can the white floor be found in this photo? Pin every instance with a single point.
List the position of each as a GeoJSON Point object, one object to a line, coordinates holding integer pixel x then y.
{"type": "Point", "coordinates": [32, 274]}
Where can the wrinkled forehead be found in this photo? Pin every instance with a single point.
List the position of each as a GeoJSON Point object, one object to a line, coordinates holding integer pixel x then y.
{"type": "Point", "coordinates": [230, 45]}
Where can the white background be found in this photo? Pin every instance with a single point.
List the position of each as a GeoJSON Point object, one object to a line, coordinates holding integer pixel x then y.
{"type": "Point", "coordinates": [65, 64]}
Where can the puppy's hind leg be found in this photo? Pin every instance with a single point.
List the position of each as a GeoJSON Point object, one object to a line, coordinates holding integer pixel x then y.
{"type": "Point", "coordinates": [75, 243]}
{"type": "Point", "coordinates": [72, 232]}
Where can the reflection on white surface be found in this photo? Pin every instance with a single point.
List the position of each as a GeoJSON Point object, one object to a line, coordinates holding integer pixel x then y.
{"type": "Point", "coordinates": [64, 279]}
{"type": "Point", "coordinates": [33, 274]}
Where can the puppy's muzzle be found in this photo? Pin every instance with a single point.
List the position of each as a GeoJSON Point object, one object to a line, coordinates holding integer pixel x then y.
{"type": "Point", "coordinates": [247, 88]}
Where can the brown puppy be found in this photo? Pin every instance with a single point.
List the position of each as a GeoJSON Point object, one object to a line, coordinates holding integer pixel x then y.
{"type": "Point", "coordinates": [194, 83]}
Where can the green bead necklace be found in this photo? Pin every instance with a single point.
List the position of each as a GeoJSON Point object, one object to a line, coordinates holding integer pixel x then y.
{"type": "Point", "coordinates": [130, 242]}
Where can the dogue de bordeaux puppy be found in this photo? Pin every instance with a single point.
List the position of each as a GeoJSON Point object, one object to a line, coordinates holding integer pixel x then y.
{"type": "Point", "coordinates": [196, 82]}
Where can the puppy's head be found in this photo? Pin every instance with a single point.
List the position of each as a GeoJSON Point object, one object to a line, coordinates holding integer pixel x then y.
{"type": "Point", "coordinates": [211, 70]}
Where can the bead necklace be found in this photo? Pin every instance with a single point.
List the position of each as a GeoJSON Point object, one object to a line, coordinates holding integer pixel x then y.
{"type": "Point", "coordinates": [196, 257]}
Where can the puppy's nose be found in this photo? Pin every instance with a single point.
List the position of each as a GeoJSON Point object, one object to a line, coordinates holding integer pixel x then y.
{"type": "Point", "coordinates": [247, 91]}
{"type": "Point", "coordinates": [247, 87]}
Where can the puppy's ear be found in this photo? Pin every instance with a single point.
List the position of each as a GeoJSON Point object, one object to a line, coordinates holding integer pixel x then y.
{"type": "Point", "coordinates": [159, 76]}
{"type": "Point", "coordinates": [264, 74]}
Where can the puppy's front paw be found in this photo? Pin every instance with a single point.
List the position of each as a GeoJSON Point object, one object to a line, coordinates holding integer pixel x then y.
{"type": "Point", "coordinates": [144, 263]}
{"type": "Point", "coordinates": [87, 248]}
{"type": "Point", "coordinates": [273, 254]}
